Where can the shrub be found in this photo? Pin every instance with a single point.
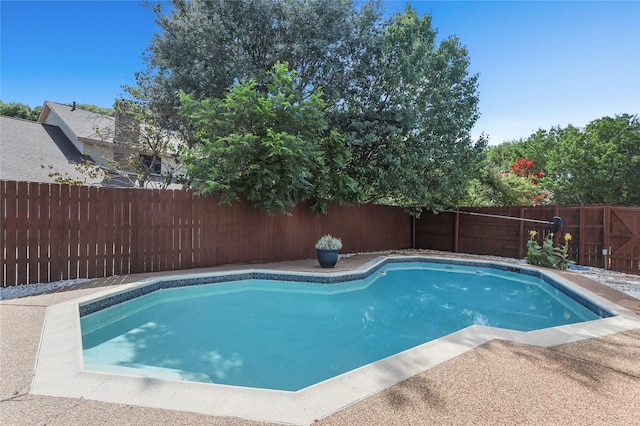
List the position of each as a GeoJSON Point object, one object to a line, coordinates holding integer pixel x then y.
{"type": "Point", "coordinates": [547, 255]}
{"type": "Point", "coordinates": [327, 242]}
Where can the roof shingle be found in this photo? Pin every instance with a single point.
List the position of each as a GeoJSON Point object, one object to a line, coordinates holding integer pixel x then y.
{"type": "Point", "coordinates": [26, 146]}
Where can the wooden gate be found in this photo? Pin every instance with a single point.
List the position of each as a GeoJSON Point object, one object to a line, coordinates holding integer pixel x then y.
{"type": "Point", "coordinates": [622, 238]}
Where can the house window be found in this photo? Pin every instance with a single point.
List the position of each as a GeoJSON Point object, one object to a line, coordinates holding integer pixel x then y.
{"type": "Point", "coordinates": [153, 162]}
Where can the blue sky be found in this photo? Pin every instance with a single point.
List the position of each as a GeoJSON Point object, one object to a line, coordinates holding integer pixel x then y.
{"type": "Point", "coordinates": [541, 63]}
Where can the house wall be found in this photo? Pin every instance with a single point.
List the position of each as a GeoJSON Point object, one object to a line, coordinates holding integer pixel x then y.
{"type": "Point", "coordinates": [99, 154]}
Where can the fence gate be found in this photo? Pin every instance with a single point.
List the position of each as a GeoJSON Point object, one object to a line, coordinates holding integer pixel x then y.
{"type": "Point", "coordinates": [622, 238]}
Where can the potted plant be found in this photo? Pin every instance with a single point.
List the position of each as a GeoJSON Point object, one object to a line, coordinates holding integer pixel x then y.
{"type": "Point", "coordinates": [328, 250]}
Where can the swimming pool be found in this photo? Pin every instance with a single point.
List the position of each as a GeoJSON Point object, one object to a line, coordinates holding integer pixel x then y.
{"type": "Point", "coordinates": [287, 335]}
{"type": "Point", "coordinates": [61, 370]}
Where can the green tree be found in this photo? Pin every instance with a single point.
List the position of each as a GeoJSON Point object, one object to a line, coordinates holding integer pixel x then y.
{"type": "Point", "coordinates": [535, 147]}
{"type": "Point", "coordinates": [206, 46]}
{"type": "Point", "coordinates": [19, 110]}
{"type": "Point", "coordinates": [408, 117]}
{"type": "Point", "coordinates": [93, 108]}
{"type": "Point", "coordinates": [598, 165]}
{"type": "Point", "coordinates": [404, 103]}
{"type": "Point", "coordinates": [273, 149]}
{"type": "Point", "coordinates": [501, 156]}
{"type": "Point", "coordinates": [494, 187]}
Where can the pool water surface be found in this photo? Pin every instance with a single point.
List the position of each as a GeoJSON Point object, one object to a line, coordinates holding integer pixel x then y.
{"type": "Point", "coordinates": [288, 335]}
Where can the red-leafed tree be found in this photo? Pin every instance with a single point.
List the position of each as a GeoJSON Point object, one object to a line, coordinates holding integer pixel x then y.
{"type": "Point", "coordinates": [525, 168]}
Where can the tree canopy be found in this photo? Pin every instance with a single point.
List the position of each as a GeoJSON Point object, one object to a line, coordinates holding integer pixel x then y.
{"type": "Point", "coordinates": [599, 164]}
{"type": "Point", "coordinates": [518, 186]}
{"type": "Point", "coordinates": [19, 110]}
{"type": "Point", "coordinates": [408, 123]}
{"type": "Point", "coordinates": [403, 103]}
{"type": "Point", "coordinates": [205, 46]}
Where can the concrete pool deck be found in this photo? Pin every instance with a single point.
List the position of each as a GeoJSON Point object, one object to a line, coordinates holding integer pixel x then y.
{"type": "Point", "coordinates": [586, 382]}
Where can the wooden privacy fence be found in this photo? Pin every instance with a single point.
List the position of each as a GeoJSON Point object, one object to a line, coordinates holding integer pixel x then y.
{"type": "Point", "coordinates": [51, 232]}
{"type": "Point", "coordinates": [603, 236]}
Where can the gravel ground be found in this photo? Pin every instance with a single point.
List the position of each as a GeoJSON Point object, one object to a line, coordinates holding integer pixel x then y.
{"type": "Point", "coordinates": [626, 283]}
{"type": "Point", "coordinates": [14, 292]}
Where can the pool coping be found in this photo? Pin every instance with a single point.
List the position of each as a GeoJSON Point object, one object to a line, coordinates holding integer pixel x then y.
{"type": "Point", "coordinates": [60, 372]}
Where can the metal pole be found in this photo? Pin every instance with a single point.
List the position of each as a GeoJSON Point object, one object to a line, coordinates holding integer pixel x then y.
{"type": "Point", "coordinates": [546, 222]}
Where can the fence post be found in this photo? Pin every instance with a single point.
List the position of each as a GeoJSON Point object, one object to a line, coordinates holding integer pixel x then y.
{"type": "Point", "coordinates": [413, 231]}
{"type": "Point", "coordinates": [606, 229]}
{"type": "Point", "coordinates": [521, 235]}
{"type": "Point", "coordinates": [582, 245]}
{"type": "Point", "coordinates": [456, 228]}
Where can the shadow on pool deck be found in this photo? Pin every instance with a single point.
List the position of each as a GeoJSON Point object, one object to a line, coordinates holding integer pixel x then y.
{"type": "Point", "coordinates": [595, 381]}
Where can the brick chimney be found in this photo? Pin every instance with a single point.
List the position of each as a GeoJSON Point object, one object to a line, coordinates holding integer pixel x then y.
{"type": "Point", "coordinates": [126, 135]}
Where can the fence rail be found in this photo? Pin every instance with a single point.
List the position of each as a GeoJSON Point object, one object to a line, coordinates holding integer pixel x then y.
{"type": "Point", "coordinates": [51, 232]}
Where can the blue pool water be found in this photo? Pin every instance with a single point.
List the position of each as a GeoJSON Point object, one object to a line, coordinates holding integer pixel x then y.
{"type": "Point", "coordinates": [290, 335]}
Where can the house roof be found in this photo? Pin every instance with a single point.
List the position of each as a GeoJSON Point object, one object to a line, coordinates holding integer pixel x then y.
{"type": "Point", "coordinates": [83, 123]}
{"type": "Point", "coordinates": [26, 146]}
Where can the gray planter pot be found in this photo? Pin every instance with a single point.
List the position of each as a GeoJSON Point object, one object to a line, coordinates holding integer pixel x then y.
{"type": "Point", "coordinates": [327, 258]}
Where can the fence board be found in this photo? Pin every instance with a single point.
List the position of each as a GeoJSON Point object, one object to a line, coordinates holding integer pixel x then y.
{"type": "Point", "coordinates": [167, 237]}
{"type": "Point", "coordinates": [101, 234]}
{"type": "Point", "coordinates": [66, 222]}
{"type": "Point", "coordinates": [134, 236]}
{"type": "Point", "coordinates": [92, 233]}
{"type": "Point", "coordinates": [120, 228]}
{"type": "Point", "coordinates": [154, 230]}
{"type": "Point", "coordinates": [145, 231]}
{"type": "Point", "coordinates": [122, 255]}
{"type": "Point", "coordinates": [33, 232]}
{"type": "Point", "coordinates": [128, 238]}
{"type": "Point", "coordinates": [108, 201]}
{"type": "Point", "coordinates": [44, 234]}
{"type": "Point", "coordinates": [83, 231]}
{"type": "Point", "coordinates": [119, 231]}
{"type": "Point", "coordinates": [3, 230]}
{"type": "Point", "coordinates": [22, 219]}
{"type": "Point", "coordinates": [53, 229]}
{"type": "Point", "coordinates": [196, 219]}
{"type": "Point", "coordinates": [11, 222]}
{"type": "Point", "coordinates": [163, 242]}
{"type": "Point", "coordinates": [74, 229]}
{"type": "Point", "coordinates": [207, 231]}
{"type": "Point", "coordinates": [186, 243]}
{"type": "Point", "coordinates": [175, 224]}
